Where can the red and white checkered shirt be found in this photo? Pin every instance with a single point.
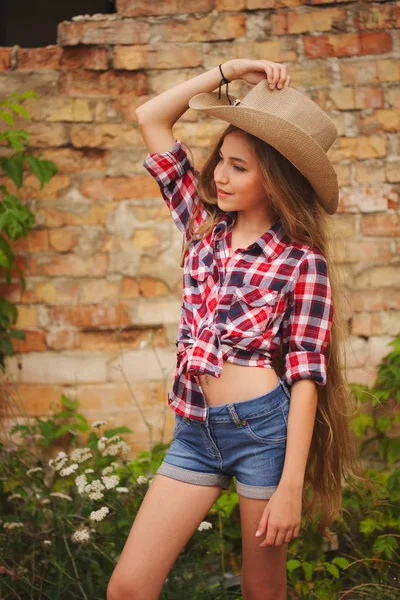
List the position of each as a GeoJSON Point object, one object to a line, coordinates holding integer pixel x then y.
{"type": "Point", "coordinates": [239, 308]}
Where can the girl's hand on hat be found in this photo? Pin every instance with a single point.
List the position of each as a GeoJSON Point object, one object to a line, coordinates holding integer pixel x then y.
{"type": "Point", "coordinates": [254, 71]}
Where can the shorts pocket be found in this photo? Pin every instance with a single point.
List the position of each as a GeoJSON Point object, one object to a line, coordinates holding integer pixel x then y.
{"type": "Point", "coordinates": [180, 423]}
{"type": "Point", "coordinates": [251, 308]}
{"type": "Point", "coordinates": [269, 428]}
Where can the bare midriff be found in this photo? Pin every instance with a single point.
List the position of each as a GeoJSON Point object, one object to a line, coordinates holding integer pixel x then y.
{"type": "Point", "coordinates": [237, 383]}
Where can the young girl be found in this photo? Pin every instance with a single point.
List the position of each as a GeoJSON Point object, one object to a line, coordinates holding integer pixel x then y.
{"type": "Point", "coordinates": [259, 393]}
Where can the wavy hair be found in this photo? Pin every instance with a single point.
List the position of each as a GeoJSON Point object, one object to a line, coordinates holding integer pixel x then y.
{"type": "Point", "coordinates": [334, 451]}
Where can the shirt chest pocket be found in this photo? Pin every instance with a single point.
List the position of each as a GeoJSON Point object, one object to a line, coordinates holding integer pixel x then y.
{"type": "Point", "coordinates": [197, 280]}
{"type": "Point", "coordinates": [252, 308]}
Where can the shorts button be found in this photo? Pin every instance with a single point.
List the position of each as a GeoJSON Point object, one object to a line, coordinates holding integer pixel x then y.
{"type": "Point", "coordinates": [244, 422]}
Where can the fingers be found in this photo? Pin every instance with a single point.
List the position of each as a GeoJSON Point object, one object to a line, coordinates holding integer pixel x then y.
{"type": "Point", "coordinates": [277, 75]}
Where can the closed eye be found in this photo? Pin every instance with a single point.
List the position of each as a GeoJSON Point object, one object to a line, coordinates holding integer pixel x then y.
{"type": "Point", "coordinates": [234, 166]}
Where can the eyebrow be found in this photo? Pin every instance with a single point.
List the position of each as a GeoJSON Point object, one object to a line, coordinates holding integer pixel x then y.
{"type": "Point", "coordinates": [236, 158]}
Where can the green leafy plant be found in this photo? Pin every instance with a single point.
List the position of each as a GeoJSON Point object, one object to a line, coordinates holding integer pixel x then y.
{"type": "Point", "coordinates": [16, 220]}
{"type": "Point", "coordinates": [68, 497]}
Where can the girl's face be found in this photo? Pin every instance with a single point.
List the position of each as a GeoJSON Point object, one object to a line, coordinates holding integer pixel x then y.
{"type": "Point", "coordinates": [238, 173]}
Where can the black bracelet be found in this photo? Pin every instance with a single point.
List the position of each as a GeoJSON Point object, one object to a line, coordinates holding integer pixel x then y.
{"type": "Point", "coordinates": [223, 80]}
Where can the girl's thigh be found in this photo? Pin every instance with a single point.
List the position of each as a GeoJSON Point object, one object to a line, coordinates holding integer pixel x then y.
{"type": "Point", "coordinates": [264, 568]}
{"type": "Point", "coordinates": [169, 515]}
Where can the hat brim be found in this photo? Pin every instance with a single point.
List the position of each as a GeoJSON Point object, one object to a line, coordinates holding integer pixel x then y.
{"type": "Point", "coordinates": [291, 141]}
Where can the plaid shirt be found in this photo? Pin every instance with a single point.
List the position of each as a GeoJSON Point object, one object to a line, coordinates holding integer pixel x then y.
{"type": "Point", "coordinates": [239, 308]}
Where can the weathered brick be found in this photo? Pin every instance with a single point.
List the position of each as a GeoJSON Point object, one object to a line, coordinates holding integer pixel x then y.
{"type": "Point", "coordinates": [135, 8]}
{"type": "Point", "coordinates": [376, 323]}
{"type": "Point", "coordinates": [28, 317]}
{"type": "Point", "coordinates": [365, 199]}
{"type": "Point", "coordinates": [323, 46]}
{"type": "Point", "coordinates": [95, 215]}
{"type": "Point", "coordinates": [148, 238]}
{"type": "Point", "coordinates": [283, 49]}
{"type": "Point", "coordinates": [368, 97]}
{"type": "Point", "coordinates": [118, 395]}
{"type": "Point", "coordinates": [393, 96]}
{"type": "Point", "coordinates": [117, 31]}
{"type": "Point", "coordinates": [47, 135]}
{"type": "Point", "coordinates": [107, 135]}
{"type": "Point", "coordinates": [109, 83]}
{"type": "Point", "coordinates": [387, 224]}
{"type": "Point", "coordinates": [70, 265]}
{"type": "Point", "coordinates": [119, 188]}
{"type": "Point", "coordinates": [5, 59]}
{"type": "Point", "coordinates": [43, 82]}
{"type": "Point", "coordinates": [54, 291]}
{"type": "Point", "coordinates": [39, 58]}
{"type": "Point", "coordinates": [93, 291]}
{"type": "Point", "coordinates": [82, 57]}
{"type": "Point", "coordinates": [63, 240]}
{"type": "Point", "coordinates": [37, 240]}
{"type": "Point", "coordinates": [359, 147]}
{"type": "Point", "coordinates": [129, 288]}
{"type": "Point", "coordinates": [59, 108]}
{"type": "Point", "coordinates": [385, 119]}
{"type": "Point", "coordinates": [360, 251]}
{"type": "Point", "coordinates": [203, 29]}
{"type": "Point", "coordinates": [130, 339]}
{"type": "Point", "coordinates": [324, 19]}
{"type": "Point", "coordinates": [392, 169]}
{"type": "Point", "coordinates": [70, 160]}
{"type": "Point", "coordinates": [375, 42]}
{"type": "Point", "coordinates": [62, 339]}
{"type": "Point", "coordinates": [91, 315]}
{"type": "Point", "coordinates": [35, 341]}
{"type": "Point", "coordinates": [371, 71]}
{"type": "Point", "coordinates": [36, 400]}
{"type": "Point", "coordinates": [343, 225]}
{"type": "Point", "coordinates": [70, 368]}
{"type": "Point", "coordinates": [370, 171]}
{"type": "Point", "coordinates": [377, 16]}
{"type": "Point", "coordinates": [31, 187]}
{"type": "Point", "coordinates": [11, 291]}
{"type": "Point", "coordinates": [256, 4]}
{"type": "Point", "coordinates": [374, 299]}
{"type": "Point", "coordinates": [378, 276]}
{"type": "Point", "coordinates": [147, 57]}
{"type": "Point", "coordinates": [234, 5]}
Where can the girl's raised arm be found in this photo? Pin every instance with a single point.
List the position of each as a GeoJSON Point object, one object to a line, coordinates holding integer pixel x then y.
{"type": "Point", "coordinates": [157, 116]}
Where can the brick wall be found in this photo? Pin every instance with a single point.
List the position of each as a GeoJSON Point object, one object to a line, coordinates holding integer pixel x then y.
{"type": "Point", "coordinates": [102, 262]}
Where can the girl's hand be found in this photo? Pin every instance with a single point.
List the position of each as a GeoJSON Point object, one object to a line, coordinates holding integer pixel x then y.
{"type": "Point", "coordinates": [281, 518]}
{"type": "Point", "coordinates": [253, 71]}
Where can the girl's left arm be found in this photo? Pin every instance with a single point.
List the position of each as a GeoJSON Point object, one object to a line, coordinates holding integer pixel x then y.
{"type": "Point", "coordinates": [301, 419]}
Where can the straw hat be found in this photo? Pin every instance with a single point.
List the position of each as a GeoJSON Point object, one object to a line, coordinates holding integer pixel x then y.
{"type": "Point", "coordinates": [290, 122]}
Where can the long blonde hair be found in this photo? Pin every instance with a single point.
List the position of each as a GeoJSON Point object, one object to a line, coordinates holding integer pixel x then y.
{"type": "Point", "coordinates": [334, 449]}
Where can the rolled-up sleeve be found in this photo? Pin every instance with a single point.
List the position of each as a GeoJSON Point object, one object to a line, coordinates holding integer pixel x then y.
{"type": "Point", "coordinates": [306, 329]}
{"type": "Point", "coordinates": [177, 180]}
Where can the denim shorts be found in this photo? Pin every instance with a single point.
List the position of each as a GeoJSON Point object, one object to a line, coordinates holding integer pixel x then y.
{"type": "Point", "coordinates": [245, 440]}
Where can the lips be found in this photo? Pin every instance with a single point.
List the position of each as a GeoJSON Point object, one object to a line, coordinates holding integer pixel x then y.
{"type": "Point", "coordinates": [223, 193]}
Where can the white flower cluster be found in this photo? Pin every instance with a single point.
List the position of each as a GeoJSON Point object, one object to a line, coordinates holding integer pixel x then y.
{"type": "Point", "coordinates": [110, 469]}
{"type": "Point", "coordinates": [59, 461]}
{"type": "Point", "coordinates": [141, 479]}
{"type": "Point", "coordinates": [69, 470]}
{"type": "Point", "coordinates": [80, 455]}
{"type": "Point", "coordinates": [47, 542]}
{"type": "Point", "coordinates": [61, 495]}
{"type": "Point", "coordinates": [98, 423]}
{"type": "Point", "coordinates": [110, 481]}
{"type": "Point", "coordinates": [12, 525]}
{"type": "Point", "coordinates": [15, 497]}
{"type": "Point", "coordinates": [112, 446]}
{"type": "Point", "coordinates": [33, 470]}
{"type": "Point", "coordinates": [94, 489]}
{"type": "Point", "coordinates": [204, 525]}
{"type": "Point", "coordinates": [122, 490]}
{"type": "Point", "coordinates": [82, 535]}
{"type": "Point", "coordinates": [98, 515]}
